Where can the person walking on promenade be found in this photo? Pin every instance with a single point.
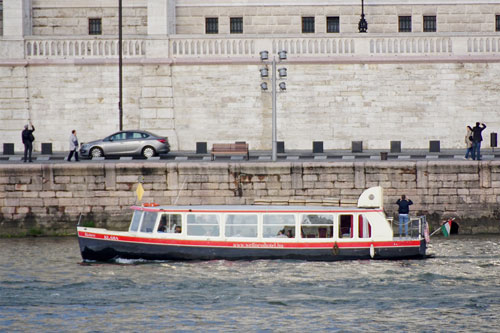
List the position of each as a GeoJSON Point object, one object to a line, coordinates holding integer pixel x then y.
{"type": "Point", "coordinates": [73, 146]}
{"type": "Point", "coordinates": [404, 211]}
{"type": "Point", "coordinates": [476, 141]}
{"type": "Point", "coordinates": [28, 138]}
{"type": "Point", "coordinates": [468, 142]}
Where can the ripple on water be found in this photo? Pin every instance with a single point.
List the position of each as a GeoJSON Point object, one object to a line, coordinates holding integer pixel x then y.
{"type": "Point", "coordinates": [50, 289]}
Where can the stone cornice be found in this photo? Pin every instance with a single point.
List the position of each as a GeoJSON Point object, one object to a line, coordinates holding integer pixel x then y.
{"type": "Point", "coordinates": [252, 61]}
{"type": "Point", "coordinates": [260, 3]}
{"type": "Point", "coordinates": [87, 3]}
{"type": "Point", "coordinates": [252, 3]}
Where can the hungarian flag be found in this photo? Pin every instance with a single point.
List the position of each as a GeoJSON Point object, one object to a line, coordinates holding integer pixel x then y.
{"type": "Point", "coordinates": [445, 228]}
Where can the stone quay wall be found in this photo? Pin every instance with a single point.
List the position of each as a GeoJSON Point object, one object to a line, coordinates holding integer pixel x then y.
{"type": "Point", "coordinates": [333, 103]}
{"type": "Point", "coordinates": [49, 198]}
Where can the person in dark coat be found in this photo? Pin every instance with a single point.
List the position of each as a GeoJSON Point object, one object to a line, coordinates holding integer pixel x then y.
{"type": "Point", "coordinates": [28, 138]}
{"type": "Point", "coordinates": [404, 211]}
{"type": "Point", "coordinates": [477, 137]}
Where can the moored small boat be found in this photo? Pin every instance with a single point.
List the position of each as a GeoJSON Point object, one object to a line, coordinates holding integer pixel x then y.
{"type": "Point", "coordinates": [256, 232]}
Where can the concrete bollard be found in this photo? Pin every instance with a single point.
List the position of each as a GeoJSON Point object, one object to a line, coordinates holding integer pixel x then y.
{"type": "Point", "coordinates": [317, 147]}
{"type": "Point", "coordinates": [395, 146]}
{"type": "Point", "coordinates": [46, 148]}
{"type": "Point", "coordinates": [201, 148]}
{"type": "Point", "coordinates": [8, 149]}
{"type": "Point", "coordinates": [493, 140]}
{"type": "Point", "coordinates": [280, 147]}
{"type": "Point", "coordinates": [434, 146]}
{"type": "Point", "coordinates": [357, 146]}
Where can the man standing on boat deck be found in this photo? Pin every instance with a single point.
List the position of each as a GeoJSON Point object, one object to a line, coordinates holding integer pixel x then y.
{"type": "Point", "coordinates": [404, 211]}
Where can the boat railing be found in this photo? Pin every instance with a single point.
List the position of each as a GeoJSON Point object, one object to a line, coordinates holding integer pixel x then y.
{"type": "Point", "coordinates": [416, 226]}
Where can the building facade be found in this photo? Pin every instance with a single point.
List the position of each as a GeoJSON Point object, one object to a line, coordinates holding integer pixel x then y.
{"type": "Point", "coordinates": [423, 70]}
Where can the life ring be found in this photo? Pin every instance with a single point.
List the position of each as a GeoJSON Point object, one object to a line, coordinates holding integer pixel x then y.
{"type": "Point", "coordinates": [150, 204]}
{"type": "Point", "coordinates": [335, 249]}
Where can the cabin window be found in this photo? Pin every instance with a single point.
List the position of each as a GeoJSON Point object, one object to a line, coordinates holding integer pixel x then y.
{"type": "Point", "coordinates": [203, 225]}
{"type": "Point", "coordinates": [148, 222]}
{"type": "Point", "coordinates": [346, 226]}
{"type": "Point", "coordinates": [278, 225]}
{"type": "Point", "coordinates": [170, 223]}
{"type": "Point", "coordinates": [241, 225]}
{"type": "Point", "coordinates": [316, 226]}
{"type": "Point", "coordinates": [364, 227]}
{"type": "Point", "coordinates": [136, 219]}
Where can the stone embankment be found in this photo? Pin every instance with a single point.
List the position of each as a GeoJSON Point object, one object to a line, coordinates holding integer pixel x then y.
{"type": "Point", "coordinates": [49, 198]}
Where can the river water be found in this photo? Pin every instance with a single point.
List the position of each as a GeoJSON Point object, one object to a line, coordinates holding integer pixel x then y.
{"type": "Point", "coordinates": [45, 287]}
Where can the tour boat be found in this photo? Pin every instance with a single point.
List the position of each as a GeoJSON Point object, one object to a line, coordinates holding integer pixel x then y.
{"type": "Point", "coordinates": [257, 232]}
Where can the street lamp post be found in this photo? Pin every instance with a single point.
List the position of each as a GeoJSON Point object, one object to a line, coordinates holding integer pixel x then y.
{"type": "Point", "coordinates": [264, 55]}
{"type": "Point", "coordinates": [120, 65]}
{"type": "Point", "coordinates": [362, 25]}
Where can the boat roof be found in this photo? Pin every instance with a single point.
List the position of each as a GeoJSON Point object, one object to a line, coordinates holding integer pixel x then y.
{"type": "Point", "coordinates": [253, 208]}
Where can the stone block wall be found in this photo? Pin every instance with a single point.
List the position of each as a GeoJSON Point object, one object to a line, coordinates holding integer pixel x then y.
{"type": "Point", "coordinates": [66, 97]}
{"type": "Point", "coordinates": [334, 103]}
{"type": "Point", "coordinates": [72, 19]}
{"type": "Point", "coordinates": [337, 104]}
{"type": "Point", "coordinates": [276, 18]}
{"type": "Point", "coordinates": [14, 103]}
{"type": "Point", "coordinates": [49, 198]}
{"type": "Point", "coordinates": [282, 17]}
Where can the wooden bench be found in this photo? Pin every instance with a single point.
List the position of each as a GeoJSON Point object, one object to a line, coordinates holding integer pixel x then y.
{"type": "Point", "coordinates": [230, 149]}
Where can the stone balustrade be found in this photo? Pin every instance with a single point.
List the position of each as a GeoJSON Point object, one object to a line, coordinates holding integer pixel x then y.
{"type": "Point", "coordinates": [350, 46]}
{"type": "Point", "coordinates": [82, 48]}
{"type": "Point", "coordinates": [341, 47]}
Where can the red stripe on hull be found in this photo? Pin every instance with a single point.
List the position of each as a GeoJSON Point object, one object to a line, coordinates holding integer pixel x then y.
{"type": "Point", "coordinates": [251, 244]}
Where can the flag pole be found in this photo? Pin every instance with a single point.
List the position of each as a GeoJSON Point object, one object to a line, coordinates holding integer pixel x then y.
{"type": "Point", "coordinates": [435, 232]}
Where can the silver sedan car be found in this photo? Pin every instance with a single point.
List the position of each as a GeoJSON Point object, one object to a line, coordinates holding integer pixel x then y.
{"type": "Point", "coordinates": [131, 143]}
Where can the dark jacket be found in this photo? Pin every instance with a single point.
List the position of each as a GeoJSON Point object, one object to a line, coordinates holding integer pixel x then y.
{"type": "Point", "coordinates": [476, 133]}
{"type": "Point", "coordinates": [27, 135]}
{"type": "Point", "coordinates": [404, 206]}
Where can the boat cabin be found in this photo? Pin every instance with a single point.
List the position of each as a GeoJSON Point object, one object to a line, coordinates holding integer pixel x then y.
{"type": "Point", "coordinates": [259, 223]}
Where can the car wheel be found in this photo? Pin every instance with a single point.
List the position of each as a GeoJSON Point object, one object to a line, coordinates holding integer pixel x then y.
{"type": "Point", "coordinates": [148, 152]}
{"type": "Point", "coordinates": [96, 152]}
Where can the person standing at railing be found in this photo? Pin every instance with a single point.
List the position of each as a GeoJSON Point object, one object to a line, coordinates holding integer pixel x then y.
{"type": "Point", "coordinates": [28, 138]}
{"type": "Point", "coordinates": [404, 212]}
{"type": "Point", "coordinates": [468, 143]}
{"type": "Point", "coordinates": [476, 141]}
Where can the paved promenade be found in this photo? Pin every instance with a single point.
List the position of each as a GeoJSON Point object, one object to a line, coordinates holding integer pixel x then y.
{"type": "Point", "coordinates": [265, 156]}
